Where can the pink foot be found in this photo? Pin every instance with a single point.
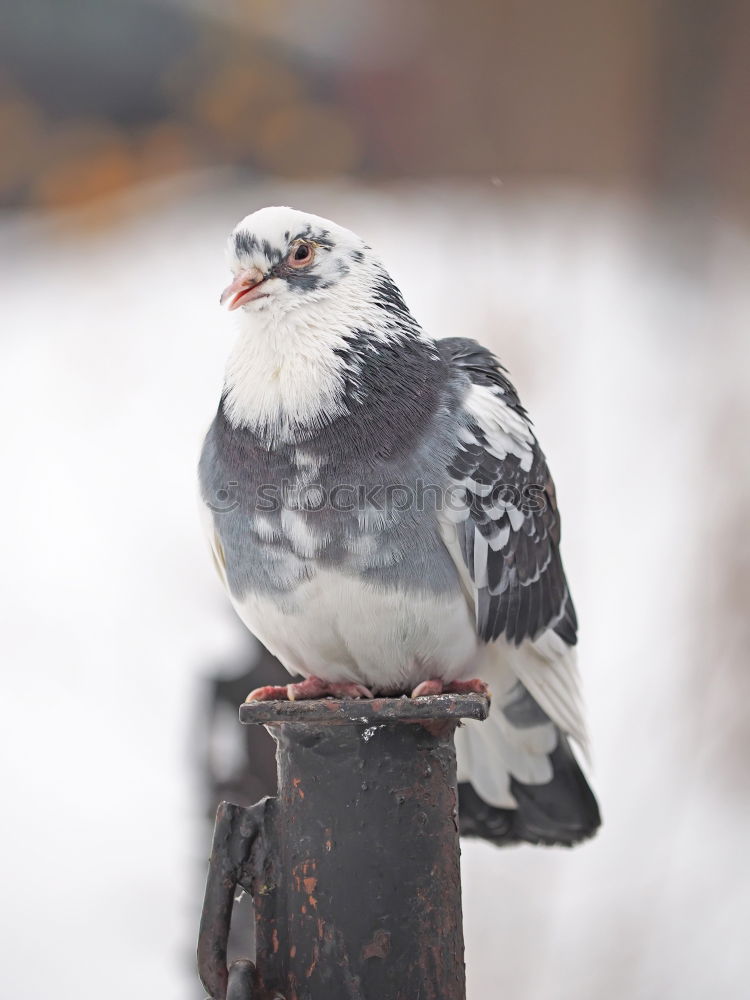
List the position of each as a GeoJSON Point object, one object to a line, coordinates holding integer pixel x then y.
{"type": "Point", "coordinates": [308, 689]}
{"type": "Point", "coordinates": [271, 692]}
{"type": "Point", "coordinates": [435, 686]}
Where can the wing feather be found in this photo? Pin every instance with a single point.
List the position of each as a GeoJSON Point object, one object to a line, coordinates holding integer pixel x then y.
{"type": "Point", "coordinates": [505, 540]}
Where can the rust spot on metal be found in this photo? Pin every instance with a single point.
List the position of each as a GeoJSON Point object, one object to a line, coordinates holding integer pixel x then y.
{"type": "Point", "coordinates": [300, 791]}
{"type": "Point", "coordinates": [378, 946]}
{"type": "Point", "coordinates": [303, 880]}
{"type": "Point", "coordinates": [315, 956]}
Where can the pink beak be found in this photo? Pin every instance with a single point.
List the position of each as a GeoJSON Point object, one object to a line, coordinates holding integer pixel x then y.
{"type": "Point", "coordinates": [246, 286]}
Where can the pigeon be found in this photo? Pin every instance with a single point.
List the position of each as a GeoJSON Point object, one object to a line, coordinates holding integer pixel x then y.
{"type": "Point", "coordinates": [383, 519]}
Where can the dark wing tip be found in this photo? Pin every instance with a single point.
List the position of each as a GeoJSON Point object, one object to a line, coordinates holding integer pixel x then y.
{"type": "Point", "coordinates": [561, 813]}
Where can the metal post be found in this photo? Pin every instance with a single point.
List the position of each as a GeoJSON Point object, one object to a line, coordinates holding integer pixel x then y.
{"type": "Point", "coordinates": [354, 866]}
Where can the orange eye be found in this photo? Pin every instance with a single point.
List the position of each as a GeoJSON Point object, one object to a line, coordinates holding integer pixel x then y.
{"type": "Point", "coordinates": [301, 255]}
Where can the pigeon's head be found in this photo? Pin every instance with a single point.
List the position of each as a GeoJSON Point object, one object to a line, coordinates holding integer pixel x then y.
{"type": "Point", "coordinates": [318, 314]}
{"type": "Point", "coordinates": [284, 260]}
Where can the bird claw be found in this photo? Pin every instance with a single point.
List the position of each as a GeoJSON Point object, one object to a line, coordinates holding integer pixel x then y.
{"type": "Point", "coordinates": [435, 686]}
{"type": "Point", "coordinates": [314, 687]}
{"type": "Point", "coordinates": [270, 692]}
{"type": "Point", "coordinates": [426, 688]}
{"type": "Point", "coordinates": [309, 689]}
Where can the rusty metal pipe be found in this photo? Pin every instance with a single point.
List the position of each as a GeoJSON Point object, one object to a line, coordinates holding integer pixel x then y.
{"type": "Point", "coordinates": [354, 866]}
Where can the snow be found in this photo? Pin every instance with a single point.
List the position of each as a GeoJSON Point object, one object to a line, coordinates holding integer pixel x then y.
{"type": "Point", "coordinates": [629, 347]}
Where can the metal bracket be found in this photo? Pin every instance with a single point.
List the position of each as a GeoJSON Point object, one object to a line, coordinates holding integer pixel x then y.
{"type": "Point", "coordinates": [235, 833]}
{"type": "Point", "coordinates": [241, 984]}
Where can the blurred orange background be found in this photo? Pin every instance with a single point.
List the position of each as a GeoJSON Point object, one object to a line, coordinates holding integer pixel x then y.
{"type": "Point", "coordinates": [640, 96]}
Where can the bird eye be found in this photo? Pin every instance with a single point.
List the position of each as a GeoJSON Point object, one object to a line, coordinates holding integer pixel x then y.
{"type": "Point", "coordinates": [301, 255]}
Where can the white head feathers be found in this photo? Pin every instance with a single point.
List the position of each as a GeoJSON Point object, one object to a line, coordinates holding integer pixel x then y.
{"type": "Point", "coordinates": [317, 289]}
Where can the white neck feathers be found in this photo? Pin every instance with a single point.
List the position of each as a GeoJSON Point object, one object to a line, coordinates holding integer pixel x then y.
{"type": "Point", "coordinates": [283, 375]}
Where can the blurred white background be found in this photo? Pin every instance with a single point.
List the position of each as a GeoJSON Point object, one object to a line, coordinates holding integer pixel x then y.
{"type": "Point", "coordinates": [633, 363]}
{"type": "Point", "coordinates": [585, 175]}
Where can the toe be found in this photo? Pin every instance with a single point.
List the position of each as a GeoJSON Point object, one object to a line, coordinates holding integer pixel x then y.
{"type": "Point", "coordinates": [307, 690]}
{"type": "Point", "coordinates": [358, 691]}
{"type": "Point", "coordinates": [427, 688]}
{"type": "Point", "coordinates": [473, 686]}
{"type": "Point", "coordinates": [271, 692]}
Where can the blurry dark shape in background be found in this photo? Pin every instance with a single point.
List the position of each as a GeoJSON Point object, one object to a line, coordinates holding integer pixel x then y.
{"type": "Point", "coordinates": [97, 96]}
{"type": "Point", "coordinates": [245, 772]}
{"type": "Point", "coordinates": [238, 762]}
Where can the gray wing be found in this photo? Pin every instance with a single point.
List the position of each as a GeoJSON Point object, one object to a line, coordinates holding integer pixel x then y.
{"type": "Point", "coordinates": [505, 510]}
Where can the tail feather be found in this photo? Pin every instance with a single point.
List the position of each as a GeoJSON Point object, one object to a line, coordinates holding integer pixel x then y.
{"type": "Point", "coordinates": [561, 812]}
{"type": "Point", "coordinates": [519, 780]}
